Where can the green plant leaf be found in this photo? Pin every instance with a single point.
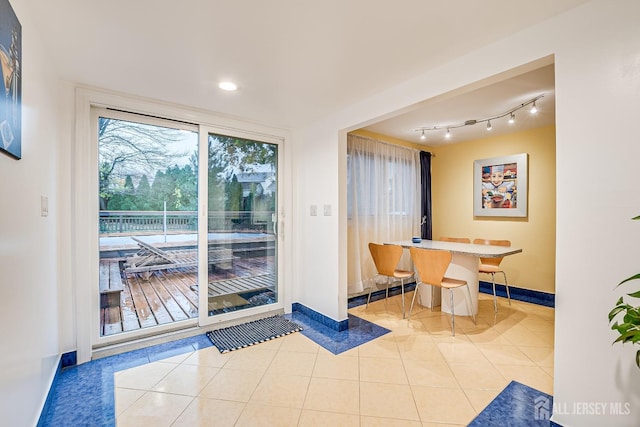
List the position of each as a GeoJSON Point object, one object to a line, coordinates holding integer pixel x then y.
{"type": "Point", "coordinates": [623, 333]}
{"type": "Point", "coordinates": [631, 318]}
{"type": "Point", "coordinates": [626, 336]}
{"type": "Point", "coordinates": [613, 313]}
{"type": "Point", "coordinates": [634, 277]}
{"type": "Point", "coordinates": [629, 329]}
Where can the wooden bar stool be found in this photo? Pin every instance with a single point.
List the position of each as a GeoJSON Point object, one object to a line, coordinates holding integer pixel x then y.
{"type": "Point", "coordinates": [431, 265]}
{"type": "Point", "coordinates": [386, 258]}
{"type": "Point", "coordinates": [492, 266]}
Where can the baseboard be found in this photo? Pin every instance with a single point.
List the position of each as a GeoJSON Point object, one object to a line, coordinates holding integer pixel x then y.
{"type": "Point", "coordinates": [321, 318]}
{"type": "Point", "coordinates": [359, 300]}
{"type": "Point", "coordinates": [66, 359]}
{"type": "Point", "coordinates": [520, 294]}
{"type": "Point", "coordinates": [69, 359]}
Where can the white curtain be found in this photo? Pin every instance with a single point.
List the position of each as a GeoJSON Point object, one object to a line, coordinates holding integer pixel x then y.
{"type": "Point", "coordinates": [383, 194]}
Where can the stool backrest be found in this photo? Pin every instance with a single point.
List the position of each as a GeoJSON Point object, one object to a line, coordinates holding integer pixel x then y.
{"type": "Point", "coordinates": [431, 264]}
{"type": "Point", "coordinates": [492, 261]}
{"type": "Point", "coordinates": [385, 257]}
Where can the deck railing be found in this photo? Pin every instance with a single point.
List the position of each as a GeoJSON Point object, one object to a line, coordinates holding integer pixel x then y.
{"type": "Point", "coordinates": [172, 222]}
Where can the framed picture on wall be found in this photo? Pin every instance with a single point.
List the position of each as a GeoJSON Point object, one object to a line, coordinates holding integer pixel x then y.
{"type": "Point", "coordinates": [11, 94]}
{"type": "Point", "coordinates": [500, 186]}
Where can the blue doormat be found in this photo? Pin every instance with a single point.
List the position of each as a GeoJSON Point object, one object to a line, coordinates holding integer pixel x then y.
{"type": "Point", "coordinates": [250, 333]}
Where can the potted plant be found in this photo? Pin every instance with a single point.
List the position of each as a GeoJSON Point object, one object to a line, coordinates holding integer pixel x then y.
{"type": "Point", "coordinates": [629, 328]}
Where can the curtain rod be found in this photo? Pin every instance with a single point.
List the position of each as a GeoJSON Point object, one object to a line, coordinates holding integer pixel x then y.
{"type": "Point", "coordinates": [388, 143]}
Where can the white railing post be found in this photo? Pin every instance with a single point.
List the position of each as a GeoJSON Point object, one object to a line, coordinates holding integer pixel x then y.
{"type": "Point", "coordinates": [164, 221]}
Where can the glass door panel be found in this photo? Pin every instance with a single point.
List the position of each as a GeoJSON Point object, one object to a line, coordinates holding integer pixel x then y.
{"type": "Point", "coordinates": [148, 224]}
{"type": "Point", "coordinates": [241, 247]}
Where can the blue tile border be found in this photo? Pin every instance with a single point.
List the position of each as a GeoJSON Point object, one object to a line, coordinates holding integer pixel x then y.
{"type": "Point", "coordinates": [47, 402]}
{"type": "Point", "coordinates": [360, 331]}
{"type": "Point", "coordinates": [520, 294]}
{"type": "Point", "coordinates": [336, 325]}
{"type": "Point", "coordinates": [69, 359]}
{"type": "Point", "coordinates": [83, 395]}
{"type": "Point", "coordinates": [517, 405]}
{"type": "Point", "coordinates": [378, 295]}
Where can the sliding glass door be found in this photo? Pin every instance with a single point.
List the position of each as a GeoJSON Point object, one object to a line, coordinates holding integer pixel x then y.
{"type": "Point", "coordinates": [239, 235]}
{"type": "Point", "coordinates": [181, 244]}
{"type": "Point", "coordinates": [147, 224]}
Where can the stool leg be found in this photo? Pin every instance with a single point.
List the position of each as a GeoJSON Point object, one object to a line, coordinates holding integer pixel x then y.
{"type": "Point", "coordinates": [495, 300]}
{"type": "Point", "coordinates": [402, 292]}
{"type": "Point", "coordinates": [453, 316]}
{"type": "Point", "coordinates": [413, 300]}
{"type": "Point", "coordinates": [507, 286]}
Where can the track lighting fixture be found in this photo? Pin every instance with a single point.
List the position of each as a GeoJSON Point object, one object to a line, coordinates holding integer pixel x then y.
{"type": "Point", "coordinates": [510, 113]}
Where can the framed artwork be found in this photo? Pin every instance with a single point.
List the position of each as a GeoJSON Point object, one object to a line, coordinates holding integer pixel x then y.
{"type": "Point", "coordinates": [500, 186]}
{"type": "Point", "coordinates": [11, 87]}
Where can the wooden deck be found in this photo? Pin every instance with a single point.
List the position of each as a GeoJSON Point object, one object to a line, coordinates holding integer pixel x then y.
{"type": "Point", "coordinates": [172, 295]}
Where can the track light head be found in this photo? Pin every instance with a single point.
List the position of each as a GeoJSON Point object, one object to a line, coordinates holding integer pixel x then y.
{"type": "Point", "coordinates": [509, 114]}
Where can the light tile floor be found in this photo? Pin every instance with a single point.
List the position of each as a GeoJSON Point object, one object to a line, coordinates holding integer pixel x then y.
{"type": "Point", "coordinates": [416, 375]}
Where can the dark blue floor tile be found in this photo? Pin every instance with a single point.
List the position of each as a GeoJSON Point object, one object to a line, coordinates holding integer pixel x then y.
{"type": "Point", "coordinates": [359, 332]}
{"type": "Point", "coordinates": [517, 405]}
{"type": "Point", "coordinates": [82, 395]}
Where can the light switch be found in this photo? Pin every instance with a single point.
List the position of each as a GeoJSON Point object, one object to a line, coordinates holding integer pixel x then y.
{"type": "Point", "coordinates": [327, 210]}
{"type": "Point", "coordinates": [44, 206]}
{"type": "Point", "coordinates": [313, 210]}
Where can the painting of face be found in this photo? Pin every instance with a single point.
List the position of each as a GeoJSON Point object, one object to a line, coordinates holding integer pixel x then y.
{"type": "Point", "coordinates": [499, 184]}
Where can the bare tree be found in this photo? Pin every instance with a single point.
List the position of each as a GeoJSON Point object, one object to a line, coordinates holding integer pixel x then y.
{"type": "Point", "coordinates": [129, 148]}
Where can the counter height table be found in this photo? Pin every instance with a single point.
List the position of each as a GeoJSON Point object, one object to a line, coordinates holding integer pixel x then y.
{"type": "Point", "coordinates": [464, 266]}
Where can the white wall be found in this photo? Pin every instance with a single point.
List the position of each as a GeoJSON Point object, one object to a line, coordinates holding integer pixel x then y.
{"type": "Point", "coordinates": [597, 53]}
{"type": "Point", "coordinates": [316, 266]}
{"type": "Point", "coordinates": [29, 281]}
{"type": "Point", "coordinates": [598, 93]}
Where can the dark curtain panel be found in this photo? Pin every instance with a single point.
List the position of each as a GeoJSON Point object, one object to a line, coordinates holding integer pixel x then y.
{"type": "Point", "coordinates": [425, 206]}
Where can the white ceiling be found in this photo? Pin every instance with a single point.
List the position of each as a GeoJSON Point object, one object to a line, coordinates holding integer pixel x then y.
{"type": "Point", "coordinates": [488, 101]}
{"type": "Point", "coordinates": [295, 61]}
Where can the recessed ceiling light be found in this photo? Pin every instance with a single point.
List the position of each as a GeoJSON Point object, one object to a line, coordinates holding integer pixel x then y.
{"type": "Point", "coordinates": [228, 86]}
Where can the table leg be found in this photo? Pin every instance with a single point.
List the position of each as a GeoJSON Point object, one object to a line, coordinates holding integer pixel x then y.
{"type": "Point", "coordinates": [462, 267]}
{"type": "Point", "coordinates": [424, 296]}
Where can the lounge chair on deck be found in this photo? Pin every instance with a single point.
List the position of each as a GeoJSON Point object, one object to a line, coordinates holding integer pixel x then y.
{"type": "Point", "coordinates": [240, 285]}
{"type": "Point", "coordinates": [239, 291]}
{"type": "Point", "coordinates": [150, 258]}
